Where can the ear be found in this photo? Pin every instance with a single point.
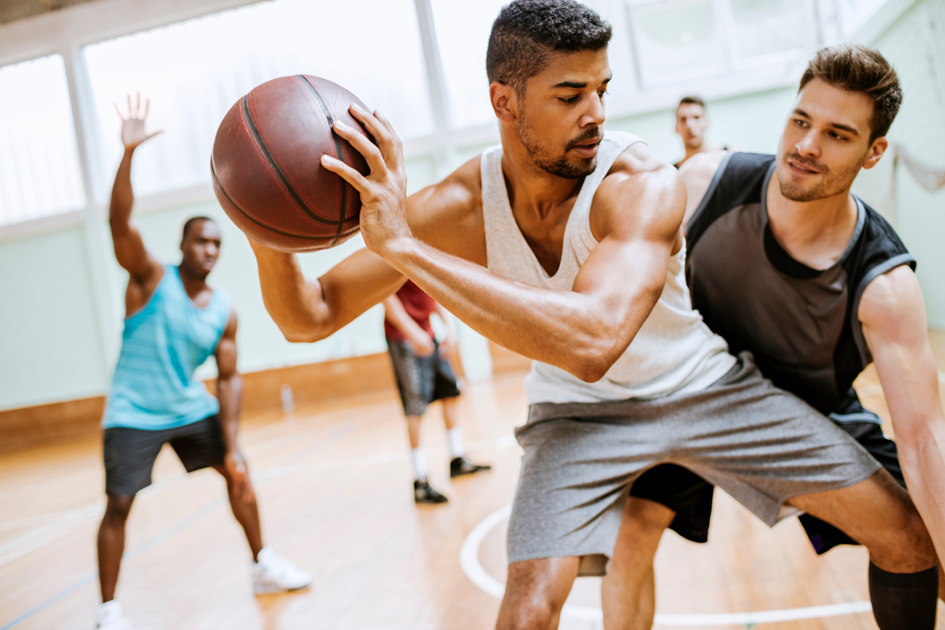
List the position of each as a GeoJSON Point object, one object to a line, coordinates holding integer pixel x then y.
{"type": "Point", "coordinates": [875, 152]}
{"type": "Point", "coordinates": [504, 101]}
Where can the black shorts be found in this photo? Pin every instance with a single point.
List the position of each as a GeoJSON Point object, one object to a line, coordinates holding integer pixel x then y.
{"type": "Point", "coordinates": [690, 496]}
{"type": "Point", "coordinates": [130, 453]}
{"type": "Point", "coordinates": [420, 380]}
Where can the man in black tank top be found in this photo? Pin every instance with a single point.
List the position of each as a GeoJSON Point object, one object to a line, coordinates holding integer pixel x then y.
{"type": "Point", "coordinates": [785, 263]}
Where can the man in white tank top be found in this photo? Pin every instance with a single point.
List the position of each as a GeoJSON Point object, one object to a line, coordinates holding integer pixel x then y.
{"type": "Point", "coordinates": [566, 245]}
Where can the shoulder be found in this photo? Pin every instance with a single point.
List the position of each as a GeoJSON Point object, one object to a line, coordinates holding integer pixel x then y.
{"type": "Point", "coordinates": [702, 166]}
{"type": "Point", "coordinates": [890, 299]}
{"type": "Point", "coordinates": [640, 191]}
{"type": "Point", "coordinates": [446, 213]}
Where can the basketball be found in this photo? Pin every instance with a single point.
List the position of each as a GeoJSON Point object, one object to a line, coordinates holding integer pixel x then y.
{"type": "Point", "coordinates": [265, 164]}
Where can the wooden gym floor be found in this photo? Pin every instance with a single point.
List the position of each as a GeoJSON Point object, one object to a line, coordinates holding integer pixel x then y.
{"type": "Point", "coordinates": [334, 485]}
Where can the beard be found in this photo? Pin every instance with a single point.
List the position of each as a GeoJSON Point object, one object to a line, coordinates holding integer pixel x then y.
{"type": "Point", "coordinates": [829, 183]}
{"type": "Point", "coordinates": [559, 166]}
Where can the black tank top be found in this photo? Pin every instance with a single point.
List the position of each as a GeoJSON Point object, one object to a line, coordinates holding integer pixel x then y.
{"type": "Point", "coordinates": [800, 323]}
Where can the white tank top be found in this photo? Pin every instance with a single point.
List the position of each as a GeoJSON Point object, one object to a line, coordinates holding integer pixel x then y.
{"type": "Point", "coordinates": [673, 353]}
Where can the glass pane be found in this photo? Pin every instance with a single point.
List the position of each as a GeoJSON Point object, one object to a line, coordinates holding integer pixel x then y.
{"type": "Point", "coordinates": [194, 71]}
{"type": "Point", "coordinates": [40, 173]}
{"type": "Point", "coordinates": [764, 27]}
{"type": "Point", "coordinates": [676, 39]}
{"type": "Point", "coordinates": [852, 14]}
{"type": "Point", "coordinates": [462, 31]}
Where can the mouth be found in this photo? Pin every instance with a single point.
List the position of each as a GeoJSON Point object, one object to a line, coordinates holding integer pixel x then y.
{"type": "Point", "coordinates": [799, 166]}
{"type": "Point", "coordinates": [587, 148]}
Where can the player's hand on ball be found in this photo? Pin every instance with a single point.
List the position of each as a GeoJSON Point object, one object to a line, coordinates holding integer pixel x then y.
{"type": "Point", "coordinates": [384, 190]}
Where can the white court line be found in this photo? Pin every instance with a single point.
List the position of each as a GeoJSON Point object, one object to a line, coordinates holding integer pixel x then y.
{"type": "Point", "coordinates": [469, 560]}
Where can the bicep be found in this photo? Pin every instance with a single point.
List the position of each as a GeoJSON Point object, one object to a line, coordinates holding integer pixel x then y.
{"type": "Point", "coordinates": [132, 255]}
{"type": "Point", "coordinates": [892, 313]}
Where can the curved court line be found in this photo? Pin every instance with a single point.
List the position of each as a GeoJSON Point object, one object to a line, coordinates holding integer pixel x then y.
{"type": "Point", "coordinates": [469, 560]}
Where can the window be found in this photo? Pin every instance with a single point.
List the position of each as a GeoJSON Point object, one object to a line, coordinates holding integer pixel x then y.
{"type": "Point", "coordinates": [194, 71]}
{"type": "Point", "coordinates": [40, 174]}
{"type": "Point", "coordinates": [676, 41]}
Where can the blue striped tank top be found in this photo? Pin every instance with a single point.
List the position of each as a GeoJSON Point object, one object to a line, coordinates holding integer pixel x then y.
{"type": "Point", "coordinates": [162, 345]}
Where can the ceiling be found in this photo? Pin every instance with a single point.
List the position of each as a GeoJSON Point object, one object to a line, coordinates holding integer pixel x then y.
{"type": "Point", "coordinates": [13, 10]}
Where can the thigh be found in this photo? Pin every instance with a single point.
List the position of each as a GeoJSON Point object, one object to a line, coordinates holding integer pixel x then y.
{"type": "Point", "coordinates": [876, 509]}
{"type": "Point", "coordinates": [129, 457]}
{"type": "Point", "coordinates": [573, 484]}
{"type": "Point", "coordinates": [408, 372]}
{"type": "Point", "coordinates": [200, 444]}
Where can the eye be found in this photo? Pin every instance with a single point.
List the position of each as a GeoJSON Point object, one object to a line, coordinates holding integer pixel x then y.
{"type": "Point", "coordinates": [800, 123]}
{"type": "Point", "coordinates": [836, 136]}
{"type": "Point", "coordinates": [569, 99]}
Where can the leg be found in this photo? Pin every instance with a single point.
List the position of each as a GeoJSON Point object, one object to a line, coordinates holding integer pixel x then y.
{"type": "Point", "coordinates": [903, 572]}
{"type": "Point", "coordinates": [629, 589]}
{"type": "Point", "coordinates": [413, 431]}
{"type": "Point", "coordinates": [111, 543]}
{"type": "Point", "coordinates": [535, 593]}
{"type": "Point", "coordinates": [246, 511]}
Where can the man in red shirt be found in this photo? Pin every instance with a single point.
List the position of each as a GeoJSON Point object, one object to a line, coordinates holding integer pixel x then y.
{"type": "Point", "coordinates": [423, 376]}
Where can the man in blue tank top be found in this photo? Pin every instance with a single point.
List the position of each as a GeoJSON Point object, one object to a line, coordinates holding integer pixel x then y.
{"type": "Point", "coordinates": [174, 322]}
{"type": "Point", "coordinates": [565, 244]}
{"type": "Point", "coordinates": [786, 263]}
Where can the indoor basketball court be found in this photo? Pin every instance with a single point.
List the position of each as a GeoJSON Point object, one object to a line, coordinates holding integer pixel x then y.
{"type": "Point", "coordinates": [216, 87]}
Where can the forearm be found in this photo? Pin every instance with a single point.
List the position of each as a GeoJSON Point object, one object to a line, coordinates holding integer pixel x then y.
{"type": "Point", "coordinates": [310, 310]}
{"type": "Point", "coordinates": [122, 199]}
{"type": "Point", "coordinates": [396, 315]}
{"type": "Point", "coordinates": [923, 464]}
{"type": "Point", "coordinates": [230, 396]}
{"type": "Point", "coordinates": [569, 329]}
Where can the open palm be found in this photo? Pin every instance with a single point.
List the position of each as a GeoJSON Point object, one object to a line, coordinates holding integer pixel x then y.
{"type": "Point", "coordinates": [133, 130]}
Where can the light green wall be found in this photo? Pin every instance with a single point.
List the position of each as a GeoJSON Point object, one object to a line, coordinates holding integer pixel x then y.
{"type": "Point", "coordinates": [49, 341]}
{"type": "Point", "coordinates": [913, 44]}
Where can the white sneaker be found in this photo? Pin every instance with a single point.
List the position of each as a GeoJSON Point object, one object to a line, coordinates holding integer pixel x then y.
{"type": "Point", "coordinates": [110, 617]}
{"type": "Point", "coordinates": [272, 573]}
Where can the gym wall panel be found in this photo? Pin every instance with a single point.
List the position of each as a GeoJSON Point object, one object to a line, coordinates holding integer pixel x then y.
{"type": "Point", "coordinates": [913, 44]}
{"type": "Point", "coordinates": [50, 348]}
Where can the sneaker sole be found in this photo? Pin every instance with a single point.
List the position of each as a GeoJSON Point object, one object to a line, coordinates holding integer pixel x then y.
{"type": "Point", "coordinates": [266, 590]}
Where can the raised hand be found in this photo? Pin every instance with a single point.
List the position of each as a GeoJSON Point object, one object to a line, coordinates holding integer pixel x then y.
{"type": "Point", "coordinates": [133, 131]}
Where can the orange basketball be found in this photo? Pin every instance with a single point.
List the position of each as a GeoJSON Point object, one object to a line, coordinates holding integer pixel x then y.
{"type": "Point", "coordinates": [266, 169]}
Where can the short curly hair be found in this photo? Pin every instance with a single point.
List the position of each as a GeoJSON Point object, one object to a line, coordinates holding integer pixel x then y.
{"type": "Point", "coordinates": [526, 31]}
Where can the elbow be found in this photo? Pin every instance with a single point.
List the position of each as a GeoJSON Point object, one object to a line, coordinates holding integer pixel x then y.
{"type": "Point", "coordinates": [592, 364]}
{"type": "Point", "coordinates": [303, 334]}
{"type": "Point", "coordinates": [295, 336]}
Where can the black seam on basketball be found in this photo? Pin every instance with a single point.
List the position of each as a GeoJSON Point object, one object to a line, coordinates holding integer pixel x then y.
{"type": "Point", "coordinates": [338, 151]}
{"type": "Point", "coordinates": [275, 168]}
{"type": "Point", "coordinates": [213, 171]}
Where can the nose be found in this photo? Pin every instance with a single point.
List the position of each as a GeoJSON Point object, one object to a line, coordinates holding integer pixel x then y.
{"type": "Point", "coordinates": [595, 113]}
{"type": "Point", "coordinates": [808, 144]}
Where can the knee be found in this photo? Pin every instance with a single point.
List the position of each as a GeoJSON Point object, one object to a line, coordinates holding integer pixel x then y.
{"type": "Point", "coordinates": [117, 510]}
{"type": "Point", "coordinates": [645, 519]}
{"type": "Point", "coordinates": [534, 613]}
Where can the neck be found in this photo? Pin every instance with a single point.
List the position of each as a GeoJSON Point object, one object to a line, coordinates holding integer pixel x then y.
{"type": "Point", "coordinates": [531, 188]}
{"type": "Point", "coordinates": [193, 284]}
{"type": "Point", "coordinates": [815, 233]}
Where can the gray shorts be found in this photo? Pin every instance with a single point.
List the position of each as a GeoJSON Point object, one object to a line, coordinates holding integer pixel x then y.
{"type": "Point", "coordinates": [420, 380]}
{"type": "Point", "coordinates": [758, 443]}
